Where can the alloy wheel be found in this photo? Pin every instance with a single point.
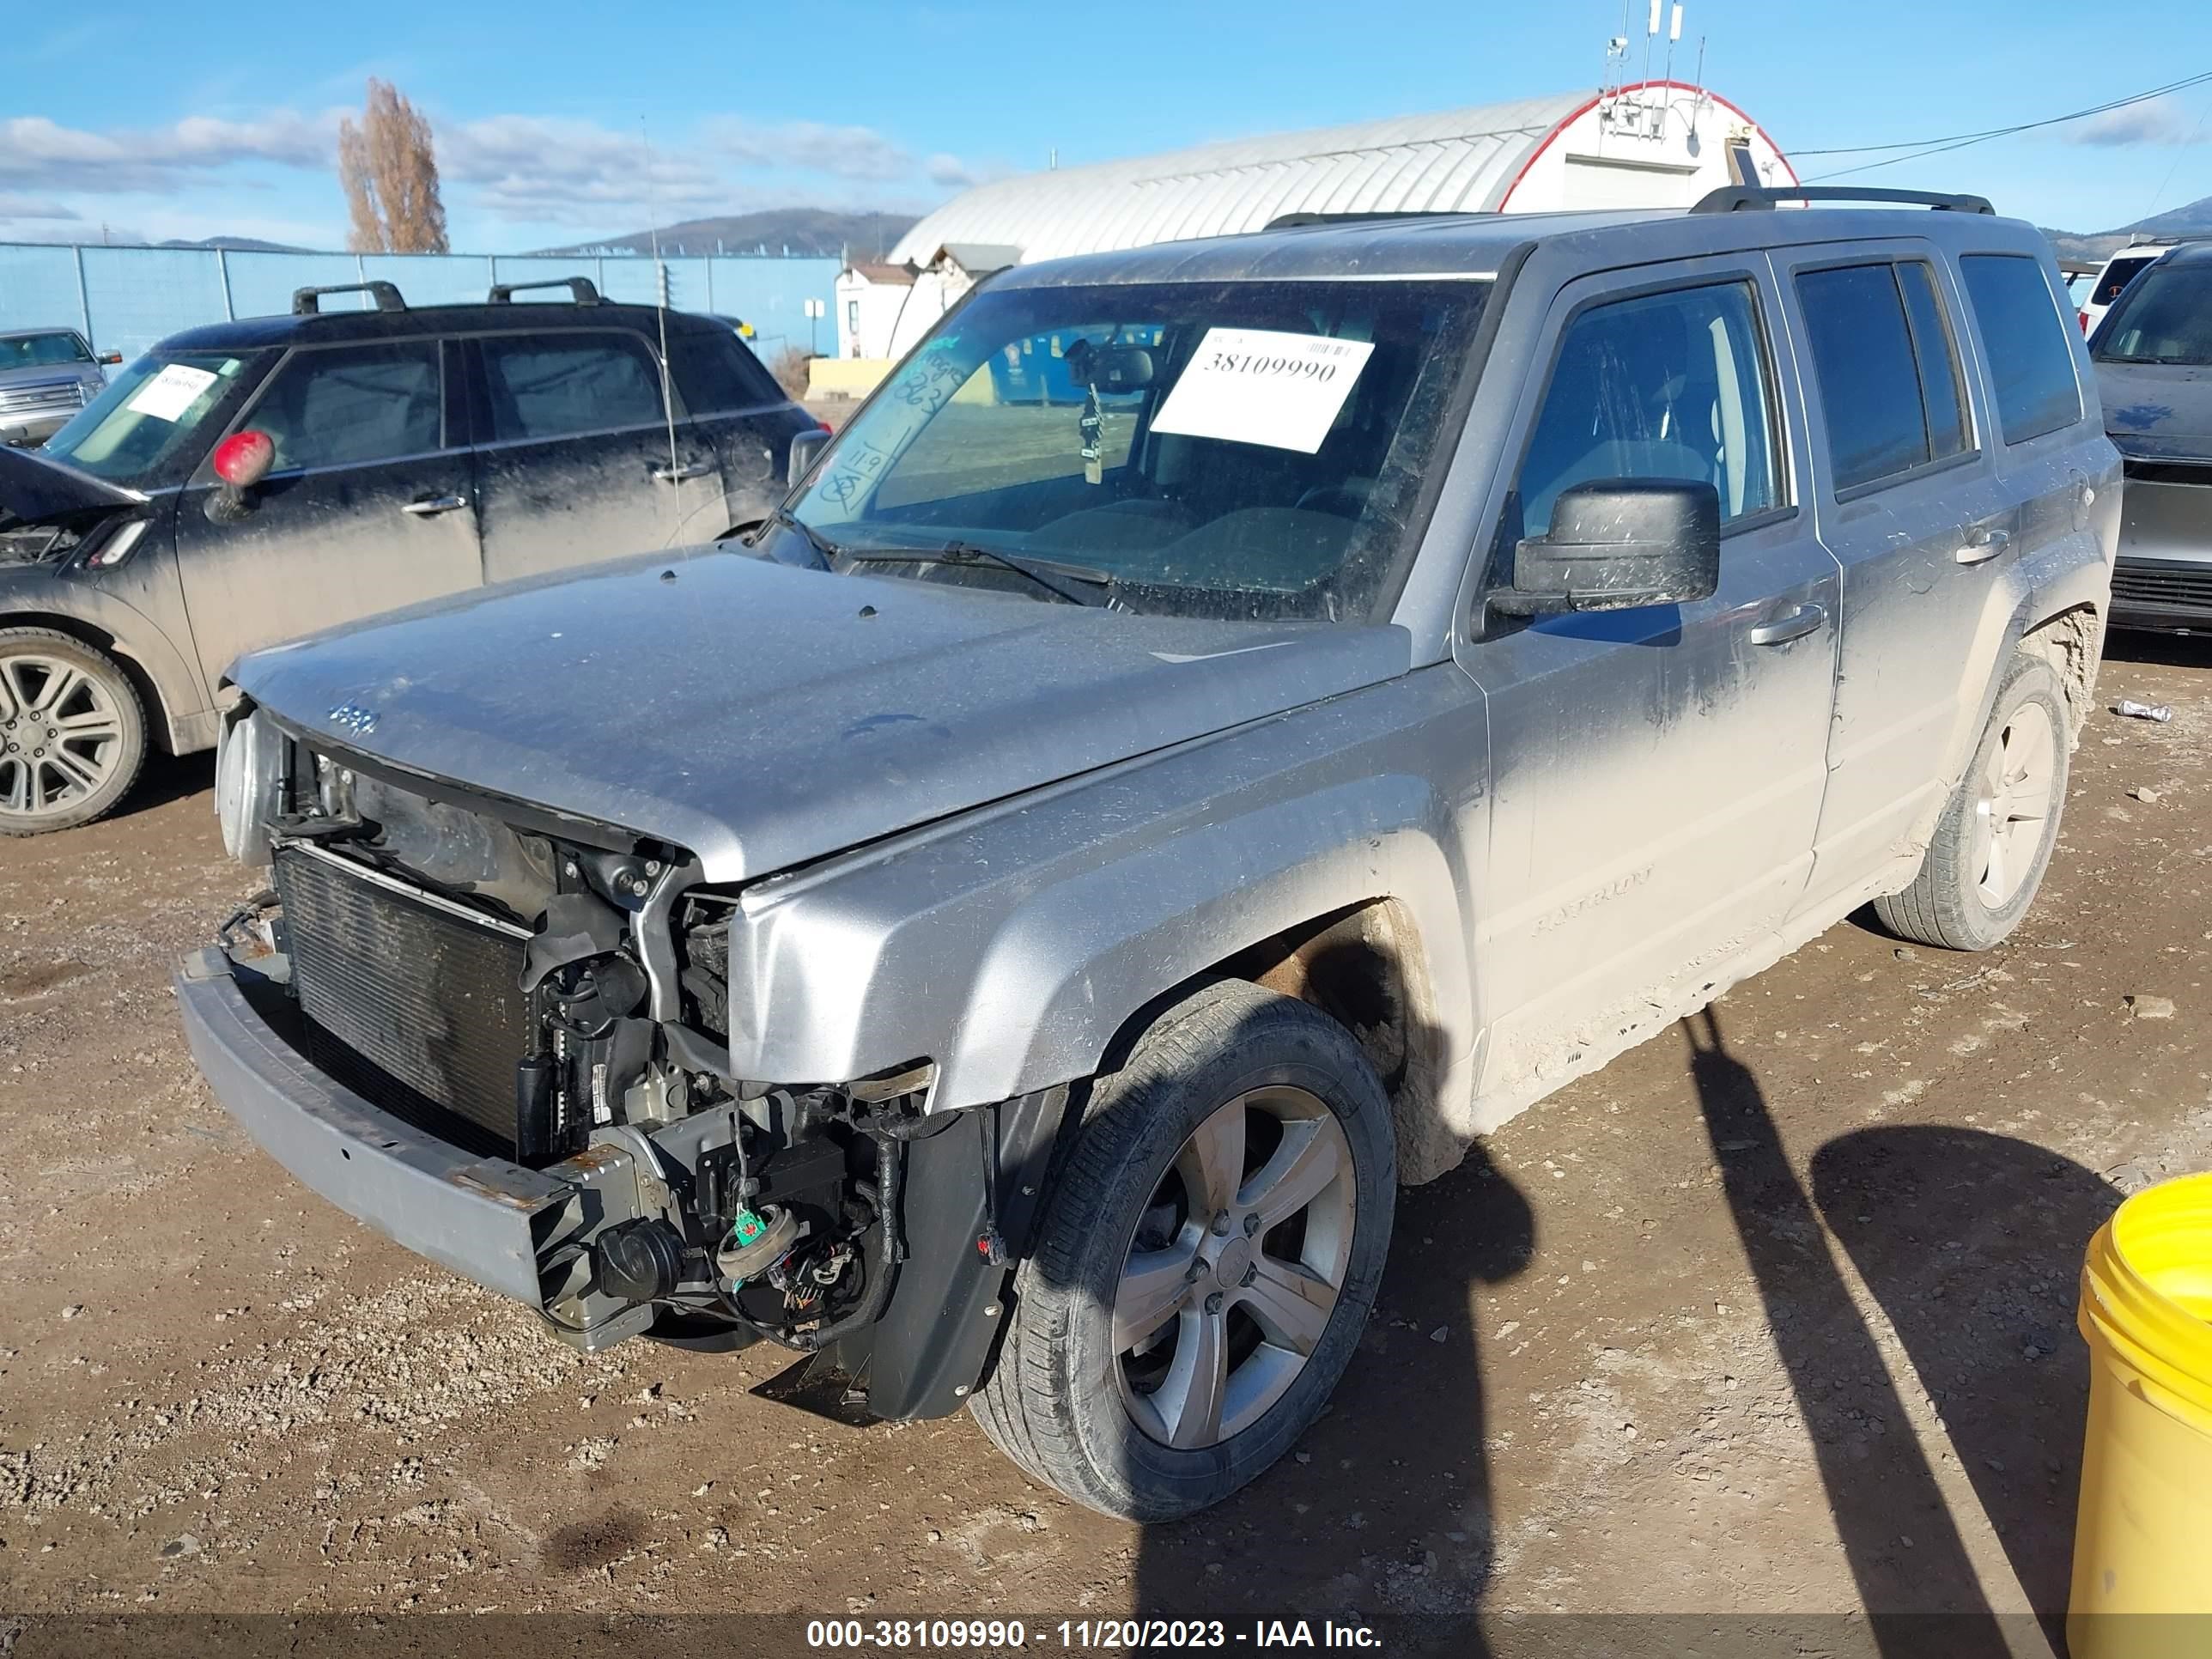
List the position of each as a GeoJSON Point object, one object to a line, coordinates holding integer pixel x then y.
{"type": "Point", "coordinates": [1235, 1267]}
{"type": "Point", "coordinates": [2016, 804]}
{"type": "Point", "coordinates": [61, 735]}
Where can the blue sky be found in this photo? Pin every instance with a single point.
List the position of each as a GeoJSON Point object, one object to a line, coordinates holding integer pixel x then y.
{"type": "Point", "coordinates": [159, 120]}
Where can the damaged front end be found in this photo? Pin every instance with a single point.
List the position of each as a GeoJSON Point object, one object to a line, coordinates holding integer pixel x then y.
{"type": "Point", "coordinates": [500, 1037]}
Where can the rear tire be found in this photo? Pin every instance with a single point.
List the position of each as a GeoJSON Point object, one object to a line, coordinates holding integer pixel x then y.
{"type": "Point", "coordinates": [1208, 1257]}
{"type": "Point", "coordinates": [72, 731]}
{"type": "Point", "coordinates": [1993, 842]}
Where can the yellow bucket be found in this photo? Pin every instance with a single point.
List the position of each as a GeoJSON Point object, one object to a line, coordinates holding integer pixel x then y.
{"type": "Point", "coordinates": [2142, 1540]}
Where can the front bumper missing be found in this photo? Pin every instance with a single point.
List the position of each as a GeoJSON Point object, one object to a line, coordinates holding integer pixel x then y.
{"type": "Point", "coordinates": [524, 1233]}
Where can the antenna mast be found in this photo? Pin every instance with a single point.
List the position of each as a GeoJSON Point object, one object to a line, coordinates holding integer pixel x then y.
{"type": "Point", "coordinates": [661, 295]}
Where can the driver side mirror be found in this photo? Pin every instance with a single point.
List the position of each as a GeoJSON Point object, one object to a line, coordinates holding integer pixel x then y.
{"type": "Point", "coordinates": [1618, 543]}
{"type": "Point", "coordinates": [806, 447]}
{"type": "Point", "coordinates": [240, 461]}
{"type": "Point", "coordinates": [110, 358]}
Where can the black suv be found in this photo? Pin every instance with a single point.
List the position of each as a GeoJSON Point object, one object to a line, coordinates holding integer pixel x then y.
{"type": "Point", "coordinates": [251, 481]}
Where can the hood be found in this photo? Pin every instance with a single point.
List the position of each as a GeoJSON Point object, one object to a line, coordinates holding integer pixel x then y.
{"type": "Point", "coordinates": [2160, 411]}
{"type": "Point", "coordinates": [36, 490]}
{"type": "Point", "coordinates": [761, 715]}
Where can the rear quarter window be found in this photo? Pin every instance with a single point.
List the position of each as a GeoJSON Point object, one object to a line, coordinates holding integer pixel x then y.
{"type": "Point", "coordinates": [713, 371]}
{"type": "Point", "coordinates": [2025, 342]}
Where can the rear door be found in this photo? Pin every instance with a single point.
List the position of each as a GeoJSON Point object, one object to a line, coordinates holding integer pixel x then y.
{"type": "Point", "coordinates": [1909, 501]}
{"type": "Point", "coordinates": [1658, 772]}
{"type": "Point", "coordinates": [366, 507]}
{"type": "Point", "coordinates": [734, 405]}
{"type": "Point", "coordinates": [575, 464]}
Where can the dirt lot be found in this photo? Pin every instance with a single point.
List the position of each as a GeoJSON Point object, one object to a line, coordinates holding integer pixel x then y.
{"type": "Point", "coordinates": [1774, 1314]}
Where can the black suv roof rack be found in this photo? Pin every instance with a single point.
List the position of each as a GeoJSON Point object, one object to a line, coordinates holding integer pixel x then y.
{"type": "Point", "coordinates": [306, 301]}
{"type": "Point", "coordinates": [1736, 198]}
{"type": "Point", "coordinates": [580, 289]}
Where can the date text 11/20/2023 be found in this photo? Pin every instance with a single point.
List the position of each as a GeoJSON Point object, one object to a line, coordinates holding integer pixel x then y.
{"type": "Point", "coordinates": [1006, 1634]}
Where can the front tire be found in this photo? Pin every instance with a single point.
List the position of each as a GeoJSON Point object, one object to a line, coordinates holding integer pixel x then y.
{"type": "Point", "coordinates": [1208, 1258]}
{"type": "Point", "coordinates": [1993, 842]}
{"type": "Point", "coordinates": [72, 731]}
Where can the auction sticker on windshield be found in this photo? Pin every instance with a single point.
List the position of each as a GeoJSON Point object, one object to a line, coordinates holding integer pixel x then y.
{"type": "Point", "coordinates": [170, 393]}
{"type": "Point", "coordinates": [1254, 385]}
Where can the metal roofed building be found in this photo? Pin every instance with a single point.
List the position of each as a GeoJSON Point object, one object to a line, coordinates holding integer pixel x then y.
{"type": "Point", "coordinates": [1648, 145]}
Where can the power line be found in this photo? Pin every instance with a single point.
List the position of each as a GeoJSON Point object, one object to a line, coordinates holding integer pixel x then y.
{"type": "Point", "coordinates": [1922, 147]}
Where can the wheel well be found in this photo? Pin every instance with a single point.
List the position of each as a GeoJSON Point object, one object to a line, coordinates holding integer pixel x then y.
{"type": "Point", "coordinates": [1363, 967]}
{"type": "Point", "coordinates": [150, 697]}
{"type": "Point", "coordinates": [2072, 643]}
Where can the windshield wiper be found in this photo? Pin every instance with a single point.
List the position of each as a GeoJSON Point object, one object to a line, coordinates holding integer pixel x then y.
{"type": "Point", "coordinates": [826, 550]}
{"type": "Point", "coordinates": [971, 553]}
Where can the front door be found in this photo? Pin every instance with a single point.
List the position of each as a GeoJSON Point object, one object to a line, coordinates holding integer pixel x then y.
{"type": "Point", "coordinates": [578, 467]}
{"type": "Point", "coordinates": [366, 507]}
{"type": "Point", "coordinates": [1658, 772]}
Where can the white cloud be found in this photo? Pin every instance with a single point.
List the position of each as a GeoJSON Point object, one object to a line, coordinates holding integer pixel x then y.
{"type": "Point", "coordinates": [546, 171]}
{"type": "Point", "coordinates": [43, 155]}
{"type": "Point", "coordinates": [519, 169]}
{"type": "Point", "coordinates": [2156, 121]}
{"type": "Point", "coordinates": [842, 152]}
{"type": "Point", "coordinates": [31, 206]}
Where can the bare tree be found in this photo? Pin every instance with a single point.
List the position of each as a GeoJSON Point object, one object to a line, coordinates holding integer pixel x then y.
{"type": "Point", "coordinates": [390, 172]}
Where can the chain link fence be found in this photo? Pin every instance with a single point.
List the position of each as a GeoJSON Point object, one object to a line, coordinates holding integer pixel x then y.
{"type": "Point", "coordinates": [124, 299]}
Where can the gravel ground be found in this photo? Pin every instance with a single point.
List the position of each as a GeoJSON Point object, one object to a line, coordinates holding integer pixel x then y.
{"type": "Point", "coordinates": [1774, 1314]}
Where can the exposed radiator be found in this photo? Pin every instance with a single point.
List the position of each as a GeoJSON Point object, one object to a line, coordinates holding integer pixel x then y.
{"type": "Point", "coordinates": [417, 1007]}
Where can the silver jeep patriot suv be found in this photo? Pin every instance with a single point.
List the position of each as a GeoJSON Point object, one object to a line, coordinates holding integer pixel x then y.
{"type": "Point", "coordinates": [1225, 724]}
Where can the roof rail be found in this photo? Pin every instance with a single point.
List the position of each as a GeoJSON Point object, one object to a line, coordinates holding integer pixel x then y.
{"type": "Point", "coordinates": [1296, 221]}
{"type": "Point", "coordinates": [2168, 239]}
{"type": "Point", "coordinates": [580, 289]}
{"type": "Point", "coordinates": [1735, 198]}
{"type": "Point", "coordinates": [306, 301]}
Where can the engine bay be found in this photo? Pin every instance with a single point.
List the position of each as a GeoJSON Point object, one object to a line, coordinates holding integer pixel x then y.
{"type": "Point", "coordinates": [430, 947]}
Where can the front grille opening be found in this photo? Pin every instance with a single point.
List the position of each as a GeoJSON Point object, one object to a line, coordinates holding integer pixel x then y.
{"type": "Point", "coordinates": [418, 1009]}
{"type": "Point", "coordinates": [2186, 586]}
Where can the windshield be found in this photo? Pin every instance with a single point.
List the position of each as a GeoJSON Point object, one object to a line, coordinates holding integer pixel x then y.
{"type": "Point", "coordinates": [2165, 318]}
{"type": "Point", "coordinates": [1239, 450]}
{"type": "Point", "coordinates": [41, 350]}
{"type": "Point", "coordinates": [148, 423]}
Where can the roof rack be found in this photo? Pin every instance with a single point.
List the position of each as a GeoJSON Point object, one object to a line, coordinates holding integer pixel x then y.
{"type": "Point", "coordinates": [2167, 238]}
{"type": "Point", "coordinates": [1736, 198]}
{"type": "Point", "coordinates": [306, 301]}
{"type": "Point", "coordinates": [580, 289]}
{"type": "Point", "coordinates": [1296, 221]}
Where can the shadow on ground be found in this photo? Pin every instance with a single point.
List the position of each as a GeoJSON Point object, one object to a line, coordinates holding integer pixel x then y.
{"type": "Point", "coordinates": [1972, 1243]}
{"type": "Point", "coordinates": [1385, 1508]}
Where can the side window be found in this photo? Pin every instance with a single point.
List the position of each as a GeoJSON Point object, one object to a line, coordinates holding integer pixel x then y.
{"type": "Point", "coordinates": [1942, 384]}
{"type": "Point", "coordinates": [715, 371]}
{"type": "Point", "coordinates": [1862, 355]}
{"type": "Point", "coordinates": [1665, 385]}
{"type": "Point", "coordinates": [551, 386]}
{"type": "Point", "coordinates": [2026, 342]}
{"type": "Point", "coordinates": [351, 405]}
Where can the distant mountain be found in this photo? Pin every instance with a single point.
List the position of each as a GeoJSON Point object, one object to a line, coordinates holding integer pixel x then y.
{"type": "Point", "coordinates": [816, 232]}
{"type": "Point", "coordinates": [2194, 219]}
{"type": "Point", "coordinates": [237, 245]}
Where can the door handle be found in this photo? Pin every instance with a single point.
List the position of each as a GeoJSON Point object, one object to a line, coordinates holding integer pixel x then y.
{"type": "Point", "coordinates": [430, 506]}
{"type": "Point", "coordinates": [1793, 624]}
{"type": "Point", "coordinates": [679, 474]}
{"type": "Point", "coordinates": [1983, 542]}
